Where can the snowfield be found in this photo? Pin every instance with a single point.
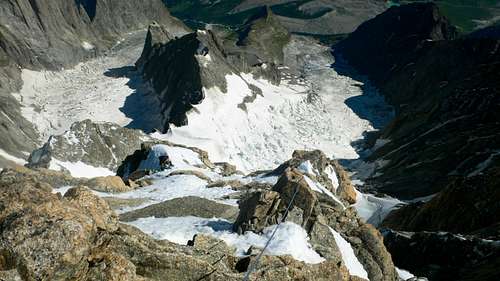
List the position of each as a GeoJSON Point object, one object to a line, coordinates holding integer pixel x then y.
{"type": "Point", "coordinates": [96, 90]}
{"type": "Point", "coordinates": [285, 118]}
{"type": "Point", "coordinates": [318, 112]}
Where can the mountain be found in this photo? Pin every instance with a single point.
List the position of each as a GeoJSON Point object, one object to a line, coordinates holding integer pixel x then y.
{"type": "Point", "coordinates": [142, 199]}
{"type": "Point", "coordinates": [318, 17]}
{"type": "Point", "coordinates": [180, 68]}
{"type": "Point", "coordinates": [441, 150]}
{"type": "Point", "coordinates": [158, 152]}
{"type": "Point", "coordinates": [49, 36]}
{"type": "Point", "coordinates": [444, 92]}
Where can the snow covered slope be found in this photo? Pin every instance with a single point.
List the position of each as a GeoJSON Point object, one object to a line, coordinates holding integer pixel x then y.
{"type": "Point", "coordinates": [101, 89]}
{"type": "Point", "coordinates": [308, 110]}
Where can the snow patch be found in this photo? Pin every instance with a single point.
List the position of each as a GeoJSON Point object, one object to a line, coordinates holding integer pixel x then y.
{"type": "Point", "coordinates": [87, 46]}
{"type": "Point", "coordinates": [307, 168]}
{"type": "Point", "coordinates": [62, 190]}
{"type": "Point", "coordinates": [9, 157]}
{"type": "Point", "coordinates": [404, 274]}
{"type": "Point", "coordinates": [284, 118]}
{"type": "Point", "coordinates": [330, 172]}
{"type": "Point", "coordinates": [290, 238]}
{"type": "Point", "coordinates": [80, 169]}
{"type": "Point", "coordinates": [316, 186]}
{"type": "Point", "coordinates": [373, 209]}
{"type": "Point", "coordinates": [97, 90]}
{"type": "Point", "coordinates": [179, 156]}
{"type": "Point", "coordinates": [166, 187]}
{"type": "Point", "coordinates": [351, 261]}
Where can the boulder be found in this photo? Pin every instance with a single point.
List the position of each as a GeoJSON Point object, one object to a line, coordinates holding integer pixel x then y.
{"type": "Point", "coordinates": [316, 165]}
{"type": "Point", "coordinates": [46, 237]}
{"type": "Point", "coordinates": [182, 207]}
{"type": "Point", "coordinates": [227, 169]}
{"type": "Point", "coordinates": [95, 144]}
{"type": "Point", "coordinates": [257, 211]}
{"type": "Point", "coordinates": [54, 178]}
{"type": "Point", "coordinates": [108, 184]}
{"type": "Point", "coordinates": [234, 184]}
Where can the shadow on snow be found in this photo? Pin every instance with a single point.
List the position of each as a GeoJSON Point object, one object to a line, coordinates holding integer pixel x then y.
{"type": "Point", "coordinates": [142, 106]}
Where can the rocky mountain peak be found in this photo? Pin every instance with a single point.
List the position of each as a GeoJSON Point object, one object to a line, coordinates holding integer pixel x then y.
{"type": "Point", "coordinates": [157, 35]}
{"type": "Point", "coordinates": [197, 61]}
{"type": "Point", "coordinates": [264, 34]}
{"type": "Point", "coordinates": [393, 36]}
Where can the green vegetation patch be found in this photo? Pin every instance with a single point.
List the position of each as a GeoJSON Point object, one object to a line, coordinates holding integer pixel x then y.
{"type": "Point", "coordinates": [466, 14]}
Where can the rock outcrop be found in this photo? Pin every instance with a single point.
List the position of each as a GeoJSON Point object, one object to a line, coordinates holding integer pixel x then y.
{"type": "Point", "coordinates": [445, 256]}
{"type": "Point", "coordinates": [38, 35]}
{"type": "Point", "coordinates": [147, 159]}
{"type": "Point", "coordinates": [181, 69]}
{"type": "Point", "coordinates": [95, 144]}
{"type": "Point", "coordinates": [468, 205]}
{"type": "Point", "coordinates": [328, 172]}
{"type": "Point", "coordinates": [184, 206]}
{"type": "Point", "coordinates": [302, 195]}
{"type": "Point", "coordinates": [264, 34]}
{"type": "Point", "coordinates": [31, 30]}
{"type": "Point", "coordinates": [109, 184]}
{"type": "Point", "coordinates": [157, 35]}
{"type": "Point", "coordinates": [447, 113]}
{"type": "Point", "coordinates": [444, 141]}
{"type": "Point", "coordinates": [46, 236]}
{"type": "Point", "coordinates": [175, 74]}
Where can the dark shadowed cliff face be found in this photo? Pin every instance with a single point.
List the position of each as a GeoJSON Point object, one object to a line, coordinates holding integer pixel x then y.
{"type": "Point", "coordinates": [448, 124]}
{"type": "Point", "coordinates": [468, 205]}
{"type": "Point", "coordinates": [446, 93]}
{"type": "Point", "coordinates": [392, 38]}
{"type": "Point", "coordinates": [445, 139]}
{"type": "Point", "coordinates": [444, 256]}
{"type": "Point", "coordinates": [177, 78]}
{"type": "Point", "coordinates": [180, 69]}
{"type": "Point", "coordinates": [39, 34]}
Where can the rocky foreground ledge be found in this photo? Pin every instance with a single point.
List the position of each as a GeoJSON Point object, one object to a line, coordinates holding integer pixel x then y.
{"type": "Point", "coordinates": [58, 227]}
